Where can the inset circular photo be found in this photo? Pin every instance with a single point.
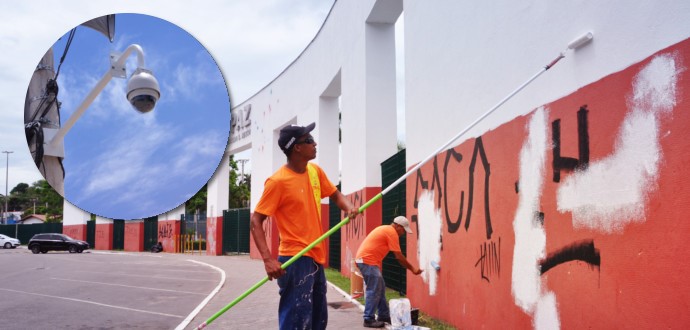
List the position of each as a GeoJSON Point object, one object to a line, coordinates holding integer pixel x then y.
{"type": "Point", "coordinates": [127, 116]}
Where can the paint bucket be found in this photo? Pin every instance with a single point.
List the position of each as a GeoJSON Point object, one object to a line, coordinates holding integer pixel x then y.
{"type": "Point", "coordinates": [414, 316]}
{"type": "Point", "coordinates": [400, 313]}
{"type": "Point", "coordinates": [356, 281]}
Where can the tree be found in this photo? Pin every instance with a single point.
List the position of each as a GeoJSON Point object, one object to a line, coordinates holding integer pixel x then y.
{"type": "Point", "coordinates": [240, 188]}
{"type": "Point", "coordinates": [21, 188]}
{"type": "Point", "coordinates": [198, 201]}
{"type": "Point", "coordinates": [40, 193]}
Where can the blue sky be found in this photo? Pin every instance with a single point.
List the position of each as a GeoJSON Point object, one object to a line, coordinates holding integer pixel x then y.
{"type": "Point", "coordinates": [119, 163]}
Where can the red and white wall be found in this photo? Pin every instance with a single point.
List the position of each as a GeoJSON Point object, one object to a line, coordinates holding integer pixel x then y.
{"type": "Point", "coordinates": [571, 215]}
{"type": "Point", "coordinates": [565, 208]}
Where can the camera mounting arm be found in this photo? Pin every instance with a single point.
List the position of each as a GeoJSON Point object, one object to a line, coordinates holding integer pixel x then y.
{"type": "Point", "coordinates": [54, 145]}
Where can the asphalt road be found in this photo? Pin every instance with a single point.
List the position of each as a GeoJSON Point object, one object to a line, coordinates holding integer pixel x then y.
{"type": "Point", "coordinates": [99, 290]}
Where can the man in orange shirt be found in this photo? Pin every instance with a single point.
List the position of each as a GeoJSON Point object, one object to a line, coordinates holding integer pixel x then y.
{"type": "Point", "coordinates": [292, 196]}
{"type": "Point", "coordinates": [369, 259]}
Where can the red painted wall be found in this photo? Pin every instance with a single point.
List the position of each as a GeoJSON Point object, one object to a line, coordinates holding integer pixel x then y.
{"type": "Point", "coordinates": [272, 238]}
{"type": "Point", "coordinates": [134, 236]}
{"type": "Point", "coordinates": [214, 234]}
{"type": "Point", "coordinates": [168, 234]}
{"type": "Point", "coordinates": [625, 269]}
{"type": "Point", "coordinates": [104, 236]}
{"type": "Point", "coordinates": [75, 231]}
{"type": "Point", "coordinates": [353, 233]}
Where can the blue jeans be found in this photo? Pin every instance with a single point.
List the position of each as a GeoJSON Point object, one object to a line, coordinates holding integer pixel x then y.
{"type": "Point", "coordinates": [302, 295]}
{"type": "Point", "coordinates": [375, 295]}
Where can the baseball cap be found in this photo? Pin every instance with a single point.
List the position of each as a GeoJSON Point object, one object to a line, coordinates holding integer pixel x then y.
{"type": "Point", "coordinates": [404, 223]}
{"type": "Point", "coordinates": [289, 134]}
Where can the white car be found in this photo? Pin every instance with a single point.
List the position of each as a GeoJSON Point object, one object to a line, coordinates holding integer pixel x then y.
{"type": "Point", "coordinates": [8, 242]}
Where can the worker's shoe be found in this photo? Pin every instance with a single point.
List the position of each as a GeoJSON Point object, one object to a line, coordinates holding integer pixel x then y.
{"type": "Point", "coordinates": [373, 324]}
{"type": "Point", "coordinates": [385, 319]}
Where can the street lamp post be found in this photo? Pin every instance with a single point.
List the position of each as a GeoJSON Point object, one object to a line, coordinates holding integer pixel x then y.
{"type": "Point", "coordinates": [7, 175]}
{"type": "Point", "coordinates": [143, 92]}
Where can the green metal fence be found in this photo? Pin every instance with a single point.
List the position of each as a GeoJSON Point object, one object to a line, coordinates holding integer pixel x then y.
{"type": "Point", "coordinates": [393, 205]}
{"type": "Point", "coordinates": [334, 239]}
{"type": "Point", "coordinates": [150, 232]}
{"type": "Point", "coordinates": [91, 233]}
{"type": "Point", "coordinates": [236, 231]}
{"type": "Point", "coordinates": [25, 232]}
{"type": "Point", "coordinates": [118, 234]}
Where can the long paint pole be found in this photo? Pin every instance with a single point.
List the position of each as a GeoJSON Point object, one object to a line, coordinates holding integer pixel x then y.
{"type": "Point", "coordinates": [584, 39]}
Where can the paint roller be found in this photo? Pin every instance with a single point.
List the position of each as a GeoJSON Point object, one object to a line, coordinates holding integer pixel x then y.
{"type": "Point", "coordinates": [573, 45]}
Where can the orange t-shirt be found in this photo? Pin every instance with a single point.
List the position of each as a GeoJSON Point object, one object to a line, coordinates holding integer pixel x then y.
{"type": "Point", "coordinates": [288, 197]}
{"type": "Point", "coordinates": [377, 244]}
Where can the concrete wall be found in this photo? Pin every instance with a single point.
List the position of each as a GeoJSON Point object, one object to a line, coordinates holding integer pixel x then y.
{"type": "Point", "coordinates": [104, 234]}
{"type": "Point", "coordinates": [134, 236]}
{"type": "Point", "coordinates": [538, 229]}
{"type": "Point", "coordinates": [74, 221]}
{"type": "Point", "coordinates": [575, 229]}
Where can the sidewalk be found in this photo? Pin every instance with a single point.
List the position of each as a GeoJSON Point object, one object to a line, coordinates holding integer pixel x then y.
{"type": "Point", "coordinates": [259, 310]}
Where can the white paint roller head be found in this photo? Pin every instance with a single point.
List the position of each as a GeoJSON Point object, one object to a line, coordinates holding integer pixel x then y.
{"type": "Point", "coordinates": [582, 40]}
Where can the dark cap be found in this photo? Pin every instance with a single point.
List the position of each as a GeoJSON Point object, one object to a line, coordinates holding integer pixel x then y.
{"type": "Point", "coordinates": [289, 135]}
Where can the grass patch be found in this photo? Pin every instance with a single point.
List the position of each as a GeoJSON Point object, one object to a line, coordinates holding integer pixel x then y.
{"type": "Point", "coordinates": [343, 283]}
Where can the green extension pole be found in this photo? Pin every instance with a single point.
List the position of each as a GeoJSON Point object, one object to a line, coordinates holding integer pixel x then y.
{"type": "Point", "coordinates": [577, 43]}
{"type": "Point", "coordinates": [288, 263]}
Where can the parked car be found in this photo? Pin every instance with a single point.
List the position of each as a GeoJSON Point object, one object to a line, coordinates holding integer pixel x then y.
{"type": "Point", "coordinates": [56, 242]}
{"type": "Point", "coordinates": [8, 242]}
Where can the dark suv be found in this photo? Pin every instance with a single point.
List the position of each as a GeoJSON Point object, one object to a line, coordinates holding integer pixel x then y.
{"type": "Point", "coordinates": [56, 242]}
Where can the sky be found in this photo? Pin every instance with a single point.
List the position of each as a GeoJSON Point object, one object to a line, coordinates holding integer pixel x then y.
{"type": "Point", "coordinates": [113, 153]}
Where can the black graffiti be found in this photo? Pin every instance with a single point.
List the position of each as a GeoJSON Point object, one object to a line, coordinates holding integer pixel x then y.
{"type": "Point", "coordinates": [357, 227]}
{"type": "Point", "coordinates": [582, 251]}
{"type": "Point", "coordinates": [165, 230]}
{"type": "Point", "coordinates": [567, 163]}
{"type": "Point", "coordinates": [454, 224]}
{"type": "Point", "coordinates": [489, 260]}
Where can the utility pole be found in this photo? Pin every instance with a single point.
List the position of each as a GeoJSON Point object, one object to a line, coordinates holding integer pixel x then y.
{"type": "Point", "coordinates": [242, 161]}
{"type": "Point", "coordinates": [34, 200]}
{"type": "Point", "coordinates": [7, 175]}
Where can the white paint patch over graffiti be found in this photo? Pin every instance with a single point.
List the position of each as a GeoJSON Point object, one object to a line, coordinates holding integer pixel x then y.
{"type": "Point", "coordinates": [530, 237]}
{"type": "Point", "coordinates": [611, 192]}
{"type": "Point", "coordinates": [429, 238]}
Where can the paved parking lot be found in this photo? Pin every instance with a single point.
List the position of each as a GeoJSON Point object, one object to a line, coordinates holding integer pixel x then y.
{"type": "Point", "coordinates": [99, 290]}
{"type": "Point", "coordinates": [115, 290]}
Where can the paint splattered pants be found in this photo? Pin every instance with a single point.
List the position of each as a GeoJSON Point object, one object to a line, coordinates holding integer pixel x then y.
{"type": "Point", "coordinates": [302, 295]}
{"type": "Point", "coordinates": [375, 295]}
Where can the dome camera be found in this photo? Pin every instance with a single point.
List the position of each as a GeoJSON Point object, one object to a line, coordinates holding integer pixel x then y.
{"type": "Point", "coordinates": [142, 90]}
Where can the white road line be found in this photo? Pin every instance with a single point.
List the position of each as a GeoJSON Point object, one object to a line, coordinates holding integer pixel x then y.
{"type": "Point", "coordinates": [93, 303]}
{"type": "Point", "coordinates": [126, 286]}
{"type": "Point", "coordinates": [148, 276]}
{"type": "Point", "coordinates": [196, 311]}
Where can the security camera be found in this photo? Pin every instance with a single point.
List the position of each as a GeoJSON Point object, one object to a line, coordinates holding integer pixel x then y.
{"type": "Point", "coordinates": [142, 90]}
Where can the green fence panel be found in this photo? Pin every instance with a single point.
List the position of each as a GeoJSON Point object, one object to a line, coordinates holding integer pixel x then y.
{"type": "Point", "coordinates": [393, 205]}
{"type": "Point", "coordinates": [334, 239]}
{"type": "Point", "coordinates": [118, 234]}
{"type": "Point", "coordinates": [150, 232]}
{"type": "Point", "coordinates": [25, 232]}
{"type": "Point", "coordinates": [91, 233]}
{"type": "Point", "coordinates": [236, 231]}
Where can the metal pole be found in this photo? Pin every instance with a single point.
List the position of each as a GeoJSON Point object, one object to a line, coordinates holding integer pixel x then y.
{"type": "Point", "coordinates": [7, 175]}
{"type": "Point", "coordinates": [242, 161]}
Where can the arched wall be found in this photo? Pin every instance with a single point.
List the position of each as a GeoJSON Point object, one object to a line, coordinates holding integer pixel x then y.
{"type": "Point", "coordinates": [565, 208]}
